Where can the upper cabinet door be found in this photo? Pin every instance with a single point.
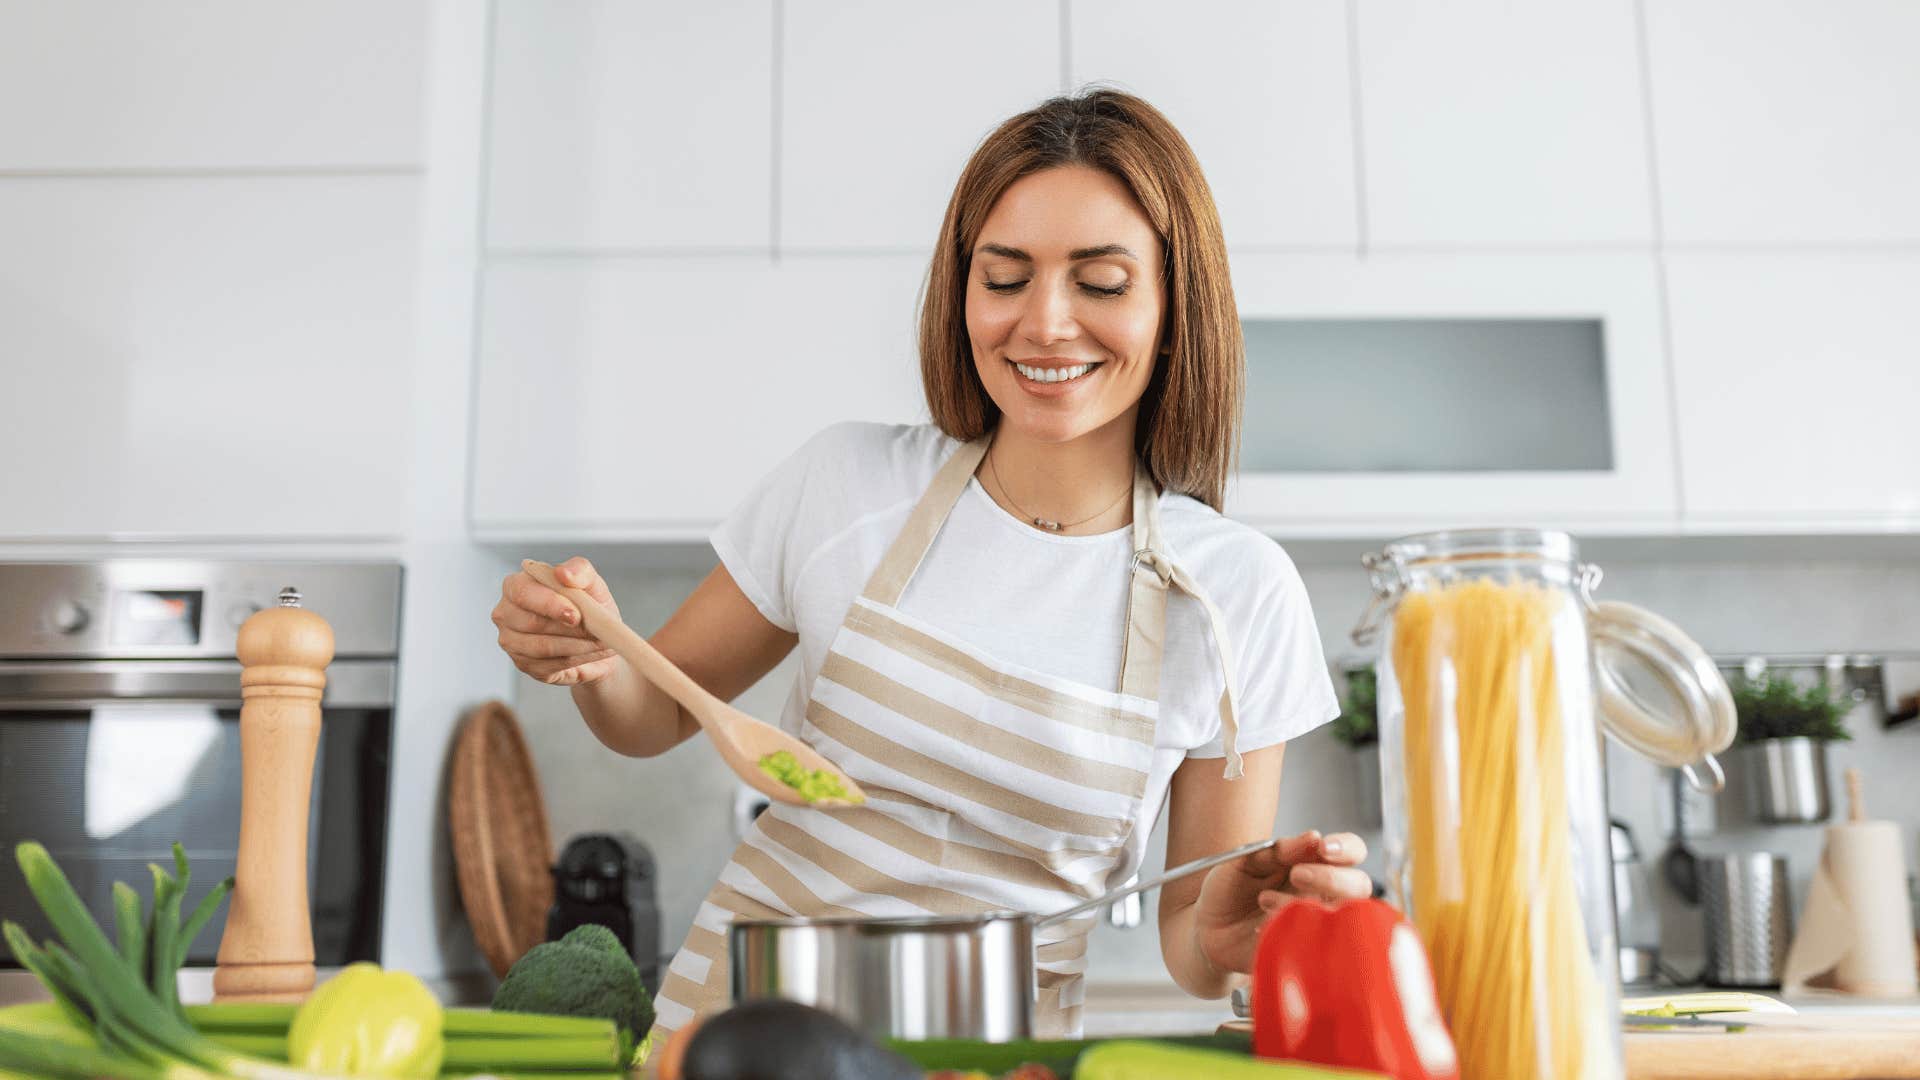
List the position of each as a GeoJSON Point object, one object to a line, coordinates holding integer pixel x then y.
{"type": "Point", "coordinates": [1261, 92]}
{"type": "Point", "coordinates": [1410, 392]}
{"type": "Point", "coordinates": [188, 358]}
{"type": "Point", "coordinates": [882, 104]}
{"type": "Point", "coordinates": [215, 84]}
{"type": "Point", "coordinates": [631, 125]}
{"type": "Point", "coordinates": [1489, 123]}
{"type": "Point", "coordinates": [1799, 380]}
{"type": "Point", "coordinates": [631, 399]}
{"type": "Point", "coordinates": [1793, 122]}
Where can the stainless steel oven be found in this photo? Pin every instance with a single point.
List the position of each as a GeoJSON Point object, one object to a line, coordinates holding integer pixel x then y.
{"type": "Point", "coordinates": [119, 734]}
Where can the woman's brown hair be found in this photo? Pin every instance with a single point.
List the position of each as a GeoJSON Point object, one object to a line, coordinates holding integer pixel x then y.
{"type": "Point", "coordinates": [1189, 425]}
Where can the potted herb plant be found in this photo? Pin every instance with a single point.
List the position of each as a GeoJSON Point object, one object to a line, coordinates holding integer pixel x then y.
{"type": "Point", "coordinates": [1784, 731]}
{"type": "Point", "coordinates": [1358, 726]}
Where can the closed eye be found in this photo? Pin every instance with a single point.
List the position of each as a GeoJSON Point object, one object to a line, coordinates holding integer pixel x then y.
{"type": "Point", "coordinates": [1092, 290]}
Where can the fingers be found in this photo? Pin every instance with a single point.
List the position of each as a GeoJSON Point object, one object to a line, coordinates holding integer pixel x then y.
{"type": "Point", "coordinates": [1273, 860]}
{"type": "Point", "coordinates": [508, 615]}
{"type": "Point", "coordinates": [1343, 849]}
{"type": "Point", "coordinates": [546, 646]}
{"type": "Point", "coordinates": [572, 670]}
{"type": "Point", "coordinates": [523, 592]}
{"type": "Point", "coordinates": [578, 573]}
{"type": "Point", "coordinates": [1324, 882]}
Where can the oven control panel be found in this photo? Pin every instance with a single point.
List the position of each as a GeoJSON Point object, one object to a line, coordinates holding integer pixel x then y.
{"type": "Point", "coordinates": [186, 609]}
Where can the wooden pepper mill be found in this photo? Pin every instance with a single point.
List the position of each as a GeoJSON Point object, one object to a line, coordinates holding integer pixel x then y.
{"type": "Point", "coordinates": [266, 953]}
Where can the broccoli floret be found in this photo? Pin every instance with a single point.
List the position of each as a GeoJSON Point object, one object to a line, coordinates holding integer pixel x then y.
{"type": "Point", "coordinates": [585, 973]}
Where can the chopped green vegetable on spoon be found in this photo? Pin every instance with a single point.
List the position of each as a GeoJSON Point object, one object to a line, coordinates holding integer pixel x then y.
{"type": "Point", "coordinates": [814, 785]}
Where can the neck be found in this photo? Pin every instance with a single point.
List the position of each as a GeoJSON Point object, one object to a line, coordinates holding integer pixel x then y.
{"type": "Point", "coordinates": [1083, 480]}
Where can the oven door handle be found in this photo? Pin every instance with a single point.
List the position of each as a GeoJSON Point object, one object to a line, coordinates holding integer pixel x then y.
{"type": "Point", "coordinates": [42, 685]}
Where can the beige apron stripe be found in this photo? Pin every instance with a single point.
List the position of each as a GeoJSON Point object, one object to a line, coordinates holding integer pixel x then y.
{"type": "Point", "coordinates": [903, 556]}
{"type": "Point", "coordinates": [697, 997]}
{"type": "Point", "coordinates": [862, 878]}
{"type": "Point", "coordinates": [939, 774]}
{"type": "Point", "coordinates": [781, 882]}
{"type": "Point", "coordinates": [706, 943]}
{"type": "Point", "coordinates": [1019, 870]}
{"type": "Point", "coordinates": [728, 898]}
{"type": "Point", "coordinates": [1068, 1019]}
{"type": "Point", "coordinates": [958, 726]}
{"type": "Point", "coordinates": [1053, 861]}
{"type": "Point", "coordinates": [1054, 980]}
{"type": "Point", "coordinates": [1072, 948]}
{"type": "Point", "coordinates": [1015, 691]}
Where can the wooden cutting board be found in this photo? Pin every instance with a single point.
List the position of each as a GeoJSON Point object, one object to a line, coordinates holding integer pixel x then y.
{"type": "Point", "coordinates": [1777, 1046]}
{"type": "Point", "coordinates": [1787, 1046]}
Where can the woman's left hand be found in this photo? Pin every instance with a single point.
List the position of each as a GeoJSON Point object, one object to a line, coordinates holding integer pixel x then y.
{"type": "Point", "coordinates": [1237, 897]}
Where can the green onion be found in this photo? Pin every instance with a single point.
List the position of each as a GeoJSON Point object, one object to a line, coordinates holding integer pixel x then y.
{"type": "Point", "coordinates": [258, 1043]}
{"type": "Point", "coordinates": [129, 1018]}
{"type": "Point", "coordinates": [128, 919]}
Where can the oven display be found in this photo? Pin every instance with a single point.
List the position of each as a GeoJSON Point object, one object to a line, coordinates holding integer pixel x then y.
{"type": "Point", "coordinates": [149, 617]}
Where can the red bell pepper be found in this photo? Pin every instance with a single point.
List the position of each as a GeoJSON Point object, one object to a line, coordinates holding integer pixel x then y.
{"type": "Point", "coordinates": [1349, 985]}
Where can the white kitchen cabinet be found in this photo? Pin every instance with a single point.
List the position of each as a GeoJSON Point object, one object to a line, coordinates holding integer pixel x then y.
{"type": "Point", "coordinates": [619, 124]}
{"type": "Point", "coordinates": [1798, 383]}
{"type": "Point", "coordinates": [205, 357]}
{"type": "Point", "coordinates": [1628, 487]}
{"type": "Point", "coordinates": [641, 399]}
{"type": "Point", "coordinates": [1795, 122]}
{"type": "Point", "coordinates": [1494, 123]}
{"type": "Point", "coordinates": [882, 103]}
{"type": "Point", "coordinates": [215, 84]}
{"type": "Point", "coordinates": [1261, 92]}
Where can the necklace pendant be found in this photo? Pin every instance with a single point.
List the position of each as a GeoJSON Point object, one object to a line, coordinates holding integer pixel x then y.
{"type": "Point", "coordinates": [1045, 524]}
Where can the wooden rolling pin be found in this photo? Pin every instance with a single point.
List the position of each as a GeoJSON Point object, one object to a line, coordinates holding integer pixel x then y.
{"type": "Point", "coordinates": [266, 953]}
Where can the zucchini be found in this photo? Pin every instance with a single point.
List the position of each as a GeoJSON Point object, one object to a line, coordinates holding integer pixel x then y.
{"type": "Point", "coordinates": [1057, 1054]}
{"type": "Point", "coordinates": [1142, 1060]}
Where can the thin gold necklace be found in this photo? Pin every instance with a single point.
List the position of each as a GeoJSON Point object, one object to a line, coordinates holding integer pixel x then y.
{"type": "Point", "coordinates": [1052, 526]}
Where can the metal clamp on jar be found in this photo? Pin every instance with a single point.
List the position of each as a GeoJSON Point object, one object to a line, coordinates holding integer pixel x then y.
{"type": "Point", "coordinates": [1499, 669]}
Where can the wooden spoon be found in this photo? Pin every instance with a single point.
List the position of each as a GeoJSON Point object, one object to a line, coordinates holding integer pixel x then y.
{"type": "Point", "coordinates": [741, 740]}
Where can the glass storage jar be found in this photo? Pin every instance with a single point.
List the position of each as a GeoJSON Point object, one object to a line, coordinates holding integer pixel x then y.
{"type": "Point", "coordinates": [1496, 674]}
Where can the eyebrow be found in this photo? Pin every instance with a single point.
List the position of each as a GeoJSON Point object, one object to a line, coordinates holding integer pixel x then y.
{"type": "Point", "coordinates": [1076, 255]}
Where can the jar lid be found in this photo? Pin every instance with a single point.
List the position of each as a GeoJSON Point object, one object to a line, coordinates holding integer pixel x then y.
{"type": "Point", "coordinates": [1545, 545]}
{"type": "Point", "coordinates": [1660, 694]}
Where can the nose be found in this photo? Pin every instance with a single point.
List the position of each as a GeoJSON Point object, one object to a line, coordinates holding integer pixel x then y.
{"type": "Point", "coordinates": [1047, 315]}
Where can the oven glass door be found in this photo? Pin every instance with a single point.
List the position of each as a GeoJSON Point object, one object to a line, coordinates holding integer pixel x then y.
{"type": "Point", "coordinates": [108, 788]}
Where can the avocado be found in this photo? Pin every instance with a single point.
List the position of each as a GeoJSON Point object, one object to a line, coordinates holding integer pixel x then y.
{"type": "Point", "coordinates": [784, 1040]}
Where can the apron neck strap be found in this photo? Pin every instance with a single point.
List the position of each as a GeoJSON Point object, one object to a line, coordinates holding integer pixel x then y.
{"type": "Point", "coordinates": [903, 557]}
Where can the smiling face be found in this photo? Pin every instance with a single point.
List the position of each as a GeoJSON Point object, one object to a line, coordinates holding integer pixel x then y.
{"type": "Point", "coordinates": [1064, 303]}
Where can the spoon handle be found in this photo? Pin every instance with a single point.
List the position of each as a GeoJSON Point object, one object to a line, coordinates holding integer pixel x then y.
{"type": "Point", "coordinates": [1156, 881]}
{"type": "Point", "coordinates": [636, 650]}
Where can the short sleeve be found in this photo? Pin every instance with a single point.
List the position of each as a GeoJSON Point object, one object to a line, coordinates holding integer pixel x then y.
{"type": "Point", "coordinates": [770, 533]}
{"type": "Point", "coordinates": [1285, 687]}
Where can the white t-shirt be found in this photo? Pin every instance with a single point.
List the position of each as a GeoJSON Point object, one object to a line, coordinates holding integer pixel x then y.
{"type": "Point", "coordinates": [803, 543]}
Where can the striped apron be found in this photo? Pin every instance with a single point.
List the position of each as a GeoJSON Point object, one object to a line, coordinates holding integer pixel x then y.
{"type": "Point", "coordinates": [991, 786]}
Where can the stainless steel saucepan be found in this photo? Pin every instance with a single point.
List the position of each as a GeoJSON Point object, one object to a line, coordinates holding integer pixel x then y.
{"type": "Point", "coordinates": [940, 977]}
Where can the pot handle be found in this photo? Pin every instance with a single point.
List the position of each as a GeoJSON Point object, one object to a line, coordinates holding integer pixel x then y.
{"type": "Point", "coordinates": [1155, 882]}
{"type": "Point", "coordinates": [1635, 650]}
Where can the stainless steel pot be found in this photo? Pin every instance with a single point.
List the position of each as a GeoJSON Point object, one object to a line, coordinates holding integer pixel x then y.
{"type": "Point", "coordinates": [959, 977]}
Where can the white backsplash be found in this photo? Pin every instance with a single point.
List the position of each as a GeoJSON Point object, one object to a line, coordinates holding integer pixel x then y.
{"type": "Point", "coordinates": [681, 804]}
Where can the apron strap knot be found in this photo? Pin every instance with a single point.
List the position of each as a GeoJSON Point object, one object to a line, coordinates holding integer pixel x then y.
{"type": "Point", "coordinates": [1147, 620]}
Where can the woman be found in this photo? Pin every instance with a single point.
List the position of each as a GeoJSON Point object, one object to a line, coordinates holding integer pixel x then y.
{"type": "Point", "coordinates": [1026, 626]}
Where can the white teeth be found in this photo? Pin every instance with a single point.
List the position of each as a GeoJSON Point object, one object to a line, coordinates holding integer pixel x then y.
{"type": "Point", "coordinates": [1051, 375]}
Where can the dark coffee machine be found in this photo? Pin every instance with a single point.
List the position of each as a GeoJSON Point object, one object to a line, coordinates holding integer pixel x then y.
{"type": "Point", "coordinates": [609, 879]}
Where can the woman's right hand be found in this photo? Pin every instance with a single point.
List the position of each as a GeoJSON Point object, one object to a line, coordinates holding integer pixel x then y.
{"type": "Point", "coordinates": [540, 629]}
